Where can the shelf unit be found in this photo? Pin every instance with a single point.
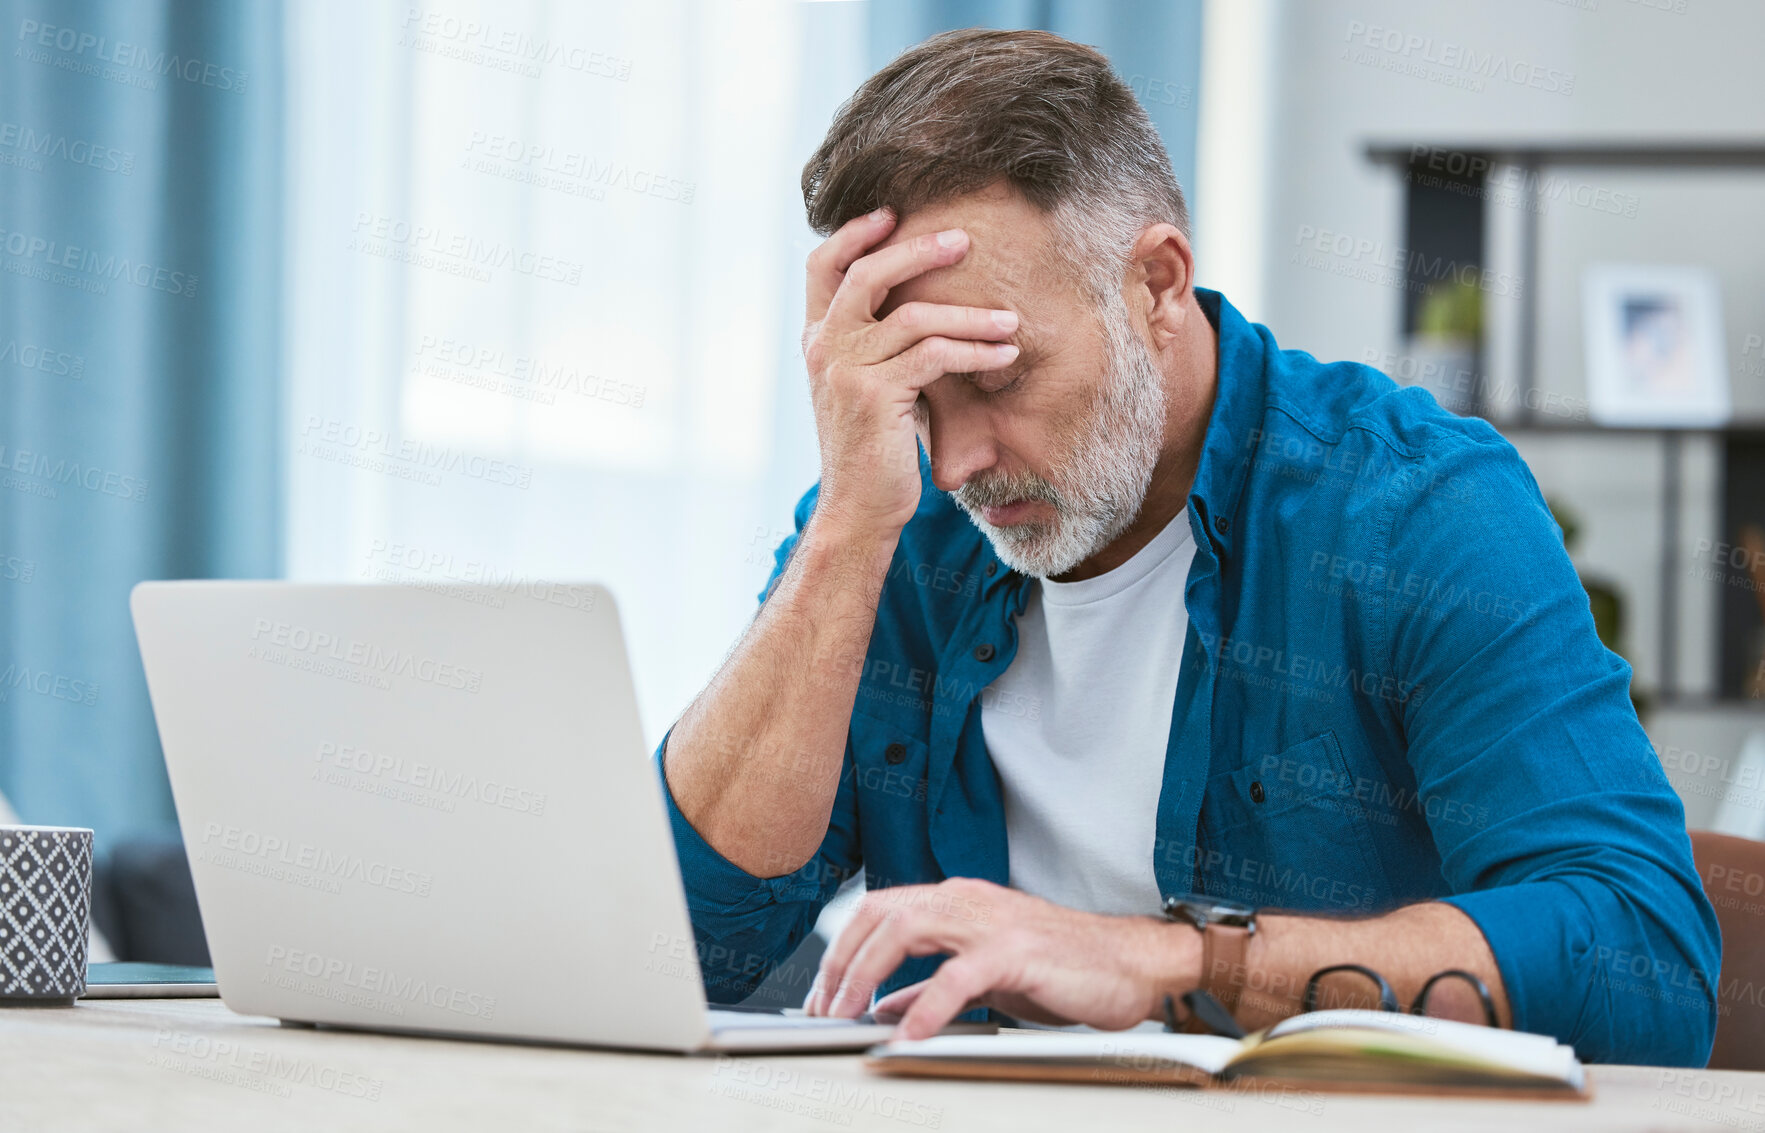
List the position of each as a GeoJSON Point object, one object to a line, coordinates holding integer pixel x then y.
{"type": "Point", "coordinates": [1531, 158]}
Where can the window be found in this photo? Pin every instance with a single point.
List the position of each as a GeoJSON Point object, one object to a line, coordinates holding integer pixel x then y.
{"type": "Point", "coordinates": [544, 297]}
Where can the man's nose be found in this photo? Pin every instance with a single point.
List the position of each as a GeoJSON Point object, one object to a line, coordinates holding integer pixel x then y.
{"type": "Point", "coordinates": [960, 445]}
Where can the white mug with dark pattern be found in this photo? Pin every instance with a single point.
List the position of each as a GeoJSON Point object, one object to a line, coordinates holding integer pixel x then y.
{"type": "Point", "coordinates": [45, 913]}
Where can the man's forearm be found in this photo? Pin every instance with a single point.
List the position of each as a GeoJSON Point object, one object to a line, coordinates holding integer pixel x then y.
{"type": "Point", "coordinates": [754, 763]}
{"type": "Point", "coordinates": [1405, 946]}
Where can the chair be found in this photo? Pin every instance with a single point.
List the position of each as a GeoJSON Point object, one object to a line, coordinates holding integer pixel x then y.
{"type": "Point", "coordinates": [1733, 873]}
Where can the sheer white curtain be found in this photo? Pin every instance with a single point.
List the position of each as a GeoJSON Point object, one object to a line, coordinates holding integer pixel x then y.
{"type": "Point", "coordinates": [545, 292]}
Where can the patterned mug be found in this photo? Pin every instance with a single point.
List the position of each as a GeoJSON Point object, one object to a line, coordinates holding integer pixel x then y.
{"type": "Point", "coordinates": [45, 913]}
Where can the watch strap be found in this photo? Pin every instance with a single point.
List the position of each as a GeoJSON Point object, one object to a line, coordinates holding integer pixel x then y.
{"type": "Point", "coordinates": [1225, 950]}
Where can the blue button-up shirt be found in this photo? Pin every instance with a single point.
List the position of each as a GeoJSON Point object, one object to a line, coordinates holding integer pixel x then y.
{"type": "Point", "coordinates": [1391, 691]}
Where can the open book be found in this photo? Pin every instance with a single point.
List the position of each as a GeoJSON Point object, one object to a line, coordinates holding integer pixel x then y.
{"type": "Point", "coordinates": [1373, 1051]}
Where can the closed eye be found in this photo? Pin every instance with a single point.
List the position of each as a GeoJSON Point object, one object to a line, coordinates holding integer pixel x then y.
{"type": "Point", "coordinates": [995, 382]}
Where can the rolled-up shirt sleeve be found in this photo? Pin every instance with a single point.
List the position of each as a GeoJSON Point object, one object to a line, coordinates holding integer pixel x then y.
{"type": "Point", "coordinates": [1579, 869]}
{"type": "Point", "coordinates": [744, 925]}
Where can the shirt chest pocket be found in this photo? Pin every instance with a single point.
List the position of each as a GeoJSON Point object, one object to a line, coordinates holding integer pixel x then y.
{"type": "Point", "coordinates": [1285, 831]}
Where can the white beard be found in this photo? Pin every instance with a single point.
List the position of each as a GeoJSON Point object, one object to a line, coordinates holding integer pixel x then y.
{"type": "Point", "coordinates": [1098, 488]}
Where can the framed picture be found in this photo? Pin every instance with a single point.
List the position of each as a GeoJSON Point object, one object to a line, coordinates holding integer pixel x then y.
{"type": "Point", "coordinates": [1654, 345]}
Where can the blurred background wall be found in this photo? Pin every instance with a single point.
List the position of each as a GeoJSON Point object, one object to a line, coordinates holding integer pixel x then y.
{"type": "Point", "coordinates": [443, 294]}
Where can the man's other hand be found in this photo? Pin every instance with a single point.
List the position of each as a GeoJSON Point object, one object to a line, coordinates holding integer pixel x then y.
{"type": "Point", "coordinates": [1030, 958]}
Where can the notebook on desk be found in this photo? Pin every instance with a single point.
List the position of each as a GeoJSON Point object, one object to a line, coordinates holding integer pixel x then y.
{"type": "Point", "coordinates": [1357, 1051]}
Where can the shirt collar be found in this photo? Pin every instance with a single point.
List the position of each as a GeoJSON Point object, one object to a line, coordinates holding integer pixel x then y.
{"type": "Point", "coordinates": [1240, 392]}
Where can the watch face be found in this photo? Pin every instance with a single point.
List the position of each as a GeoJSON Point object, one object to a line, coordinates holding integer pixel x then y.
{"type": "Point", "coordinates": [1200, 909]}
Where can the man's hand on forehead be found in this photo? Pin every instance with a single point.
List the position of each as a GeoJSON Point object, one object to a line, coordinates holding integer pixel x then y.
{"type": "Point", "coordinates": [859, 269]}
{"type": "Point", "coordinates": [867, 366]}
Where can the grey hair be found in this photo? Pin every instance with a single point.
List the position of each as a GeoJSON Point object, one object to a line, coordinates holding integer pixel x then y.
{"type": "Point", "coordinates": [968, 109]}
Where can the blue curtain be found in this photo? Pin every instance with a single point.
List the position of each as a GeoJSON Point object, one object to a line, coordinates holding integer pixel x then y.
{"type": "Point", "coordinates": [1154, 44]}
{"type": "Point", "coordinates": [139, 393]}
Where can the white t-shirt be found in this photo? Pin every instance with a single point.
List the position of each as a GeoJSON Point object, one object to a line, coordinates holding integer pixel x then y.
{"type": "Point", "coordinates": [1078, 724]}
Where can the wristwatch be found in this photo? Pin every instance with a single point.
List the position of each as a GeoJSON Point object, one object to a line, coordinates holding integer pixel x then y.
{"type": "Point", "coordinates": [1226, 928]}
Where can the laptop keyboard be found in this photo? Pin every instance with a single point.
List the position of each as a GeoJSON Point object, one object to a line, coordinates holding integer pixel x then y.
{"type": "Point", "coordinates": [725, 1019]}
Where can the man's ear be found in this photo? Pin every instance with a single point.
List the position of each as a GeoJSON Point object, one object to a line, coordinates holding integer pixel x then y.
{"type": "Point", "coordinates": [1164, 268]}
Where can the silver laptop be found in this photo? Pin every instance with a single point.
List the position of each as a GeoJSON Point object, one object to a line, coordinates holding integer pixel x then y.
{"type": "Point", "coordinates": [431, 810]}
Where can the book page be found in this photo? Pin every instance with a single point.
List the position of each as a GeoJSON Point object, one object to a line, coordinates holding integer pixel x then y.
{"type": "Point", "coordinates": [1423, 1038]}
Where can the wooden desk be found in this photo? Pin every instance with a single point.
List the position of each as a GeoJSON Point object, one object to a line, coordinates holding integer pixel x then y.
{"type": "Point", "coordinates": [193, 1064]}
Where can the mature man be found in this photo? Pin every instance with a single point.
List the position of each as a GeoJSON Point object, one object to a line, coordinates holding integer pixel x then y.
{"type": "Point", "coordinates": [1164, 626]}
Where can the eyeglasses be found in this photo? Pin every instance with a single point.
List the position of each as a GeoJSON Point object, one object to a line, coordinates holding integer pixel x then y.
{"type": "Point", "coordinates": [1209, 1014]}
{"type": "Point", "coordinates": [1388, 998]}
